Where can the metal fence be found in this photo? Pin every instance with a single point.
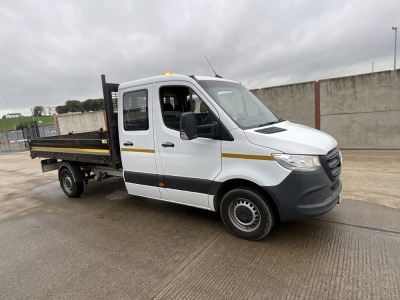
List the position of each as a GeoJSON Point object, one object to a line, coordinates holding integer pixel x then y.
{"type": "Point", "coordinates": [17, 140]}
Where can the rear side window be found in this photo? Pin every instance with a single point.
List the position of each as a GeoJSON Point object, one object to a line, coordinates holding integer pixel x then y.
{"type": "Point", "coordinates": [136, 112]}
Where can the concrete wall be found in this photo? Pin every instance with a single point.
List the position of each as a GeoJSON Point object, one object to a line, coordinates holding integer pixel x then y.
{"type": "Point", "coordinates": [81, 122]}
{"type": "Point", "coordinates": [361, 112]}
{"type": "Point", "coordinates": [291, 102]}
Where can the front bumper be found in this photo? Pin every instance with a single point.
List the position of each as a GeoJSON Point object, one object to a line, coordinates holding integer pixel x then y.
{"type": "Point", "coordinates": [303, 195]}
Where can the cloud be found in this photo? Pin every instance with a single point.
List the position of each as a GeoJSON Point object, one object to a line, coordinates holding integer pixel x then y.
{"type": "Point", "coordinates": [53, 51]}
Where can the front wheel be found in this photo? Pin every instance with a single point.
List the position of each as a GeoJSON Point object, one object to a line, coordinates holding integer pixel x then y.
{"type": "Point", "coordinates": [246, 214]}
{"type": "Point", "coordinates": [71, 188]}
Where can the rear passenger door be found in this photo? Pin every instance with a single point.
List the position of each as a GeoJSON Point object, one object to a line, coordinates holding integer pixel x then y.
{"type": "Point", "coordinates": [136, 135]}
{"type": "Point", "coordinates": [187, 168]}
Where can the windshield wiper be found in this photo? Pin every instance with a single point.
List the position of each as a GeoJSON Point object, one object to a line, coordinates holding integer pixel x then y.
{"type": "Point", "coordinates": [269, 123]}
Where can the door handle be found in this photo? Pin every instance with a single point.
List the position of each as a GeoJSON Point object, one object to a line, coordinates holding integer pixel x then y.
{"type": "Point", "coordinates": [168, 144]}
{"type": "Point", "coordinates": [128, 143]}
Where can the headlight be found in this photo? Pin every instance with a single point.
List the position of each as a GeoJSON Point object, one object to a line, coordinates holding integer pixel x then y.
{"type": "Point", "coordinates": [298, 162]}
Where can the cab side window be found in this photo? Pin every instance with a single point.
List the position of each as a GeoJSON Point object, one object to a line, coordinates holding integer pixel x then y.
{"type": "Point", "coordinates": [175, 100]}
{"type": "Point", "coordinates": [135, 111]}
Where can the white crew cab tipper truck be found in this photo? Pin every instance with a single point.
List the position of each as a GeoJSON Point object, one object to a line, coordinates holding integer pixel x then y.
{"type": "Point", "coordinates": [205, 142]}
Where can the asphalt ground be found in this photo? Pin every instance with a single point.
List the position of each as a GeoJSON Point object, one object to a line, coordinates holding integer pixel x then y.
{"type": "Point", "coordinates": [111, 245]}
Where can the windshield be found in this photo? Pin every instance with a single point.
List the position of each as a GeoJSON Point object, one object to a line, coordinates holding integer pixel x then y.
{"type": "Point", "coordinates": [245, 109]}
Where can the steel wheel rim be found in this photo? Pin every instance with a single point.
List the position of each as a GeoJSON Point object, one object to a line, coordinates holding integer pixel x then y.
{"type": "Point", "coordinates": [68, 183]}
{"type": "Point", "coordinates": [244, 215]}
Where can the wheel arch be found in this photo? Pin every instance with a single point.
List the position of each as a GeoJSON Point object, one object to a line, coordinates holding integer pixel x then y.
{"type": "Point", "coordinates": [74, 169]}
{"type": "Point", "coordinates": [243, 183]}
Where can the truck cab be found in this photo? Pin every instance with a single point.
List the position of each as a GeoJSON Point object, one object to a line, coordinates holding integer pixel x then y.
{"type": "Point", "coordinates": [208, 142]}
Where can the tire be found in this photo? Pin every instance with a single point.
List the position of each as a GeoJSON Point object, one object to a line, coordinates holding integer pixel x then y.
{"type": "Point", "coordinates": [246, 214]}
{"type": "Point", "coordinates": [71, 188]}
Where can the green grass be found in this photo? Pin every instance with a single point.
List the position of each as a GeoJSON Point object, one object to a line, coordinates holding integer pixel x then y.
{"type": "Point", "coordinates": [8, 124]}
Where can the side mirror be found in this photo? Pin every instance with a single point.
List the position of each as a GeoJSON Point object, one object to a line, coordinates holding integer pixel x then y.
{"type": "Point", "coordinates": [208, 130]}
{"type": "Point", "coordinates": [188, 126]}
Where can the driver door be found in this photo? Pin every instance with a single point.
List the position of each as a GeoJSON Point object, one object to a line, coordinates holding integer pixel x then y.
{"type": "Point", "coordinates": [188, 167]}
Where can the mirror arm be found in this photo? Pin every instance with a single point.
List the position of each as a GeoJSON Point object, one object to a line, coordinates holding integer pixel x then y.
{"type": "Point", "coordinates": [214, 130]}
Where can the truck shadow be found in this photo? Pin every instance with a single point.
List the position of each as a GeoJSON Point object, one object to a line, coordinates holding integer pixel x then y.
{"type": "Point", "coordinates": [118, 206]}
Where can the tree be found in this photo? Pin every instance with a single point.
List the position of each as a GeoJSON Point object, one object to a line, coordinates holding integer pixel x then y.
{"type": "Point", "coordinates": [74, 105]}
{"type": "Point", "coordinates": [38, 111]}
{"type": "Point", "coordinates": [61, 109]}
{"type": "Point", "coordinates": [50, 110]}
{"type": "Point", "coordinates": [93, 105]}
{"type": "Point", "coordinates": [78, 106]}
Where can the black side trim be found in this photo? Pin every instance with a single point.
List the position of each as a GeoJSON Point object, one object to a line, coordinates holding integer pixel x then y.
{"type": "Point", "coordinates": [195, 185]}
{"type": "Point", "coordinates": [214, 187]}
{"type": "Point", "coordinates": [141, 178]}
{"type": "Point", "coordinates": [187, 184]}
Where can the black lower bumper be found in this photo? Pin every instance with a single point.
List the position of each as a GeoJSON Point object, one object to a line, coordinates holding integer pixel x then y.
{"type": "Point", "coordinates": [305, 194]}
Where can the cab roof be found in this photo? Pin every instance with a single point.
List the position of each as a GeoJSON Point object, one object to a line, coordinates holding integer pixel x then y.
{"type": "Point", "coordinates": [167, 78]}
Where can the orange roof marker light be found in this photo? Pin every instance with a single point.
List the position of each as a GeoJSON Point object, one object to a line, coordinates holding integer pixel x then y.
{"type": "Point", "coordinates": [168, 73]}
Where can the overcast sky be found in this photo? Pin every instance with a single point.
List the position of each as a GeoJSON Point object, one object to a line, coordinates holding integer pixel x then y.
{"type": "Point", "coordinates": [52, 51]}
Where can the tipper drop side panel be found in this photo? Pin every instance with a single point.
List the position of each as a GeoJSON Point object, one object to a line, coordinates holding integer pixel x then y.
{"type": "Point", "coordinates": [98, 147]}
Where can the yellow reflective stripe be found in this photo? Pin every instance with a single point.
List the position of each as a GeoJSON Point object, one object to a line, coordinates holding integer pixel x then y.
{"type": "Point", "coordinates": [246, 156]}
{"type": "Point", "coordinates": [138, 150]}
{"type": "Point", "coordinates": [74, 150]}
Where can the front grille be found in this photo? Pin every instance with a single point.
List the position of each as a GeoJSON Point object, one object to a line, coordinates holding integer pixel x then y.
{"type": "Point", "coordinates": [332, 164]}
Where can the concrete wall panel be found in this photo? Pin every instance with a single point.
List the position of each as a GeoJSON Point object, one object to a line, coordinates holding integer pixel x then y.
{"type": "Point", "coordinates": [361, 93]}
{"type": "Point", "coordinates": [376, 130]}
{"type": "Point", "coordinates": [81, 122]}
{"type": "Point", "coordinates": [307, 120]}
{"type": "Point", "coordinates": [292, 102]}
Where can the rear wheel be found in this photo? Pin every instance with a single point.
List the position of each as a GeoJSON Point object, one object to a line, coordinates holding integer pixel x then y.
{"type": "Point", "coordinates": [71, 188]}
{"type": "Point", "coordinates": [246, 214]}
